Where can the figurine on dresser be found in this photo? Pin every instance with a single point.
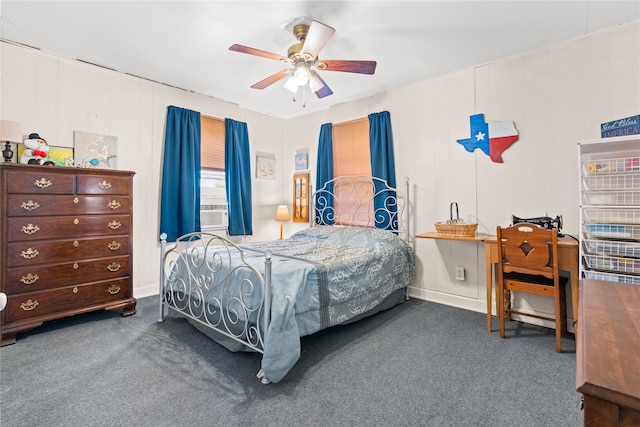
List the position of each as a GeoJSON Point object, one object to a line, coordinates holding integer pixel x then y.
{"type": "Point", "coordinates": [36, 151]}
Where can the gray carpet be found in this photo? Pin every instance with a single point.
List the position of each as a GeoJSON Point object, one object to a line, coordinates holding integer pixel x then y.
{"type": "Point", "coordinates": [417, 364]}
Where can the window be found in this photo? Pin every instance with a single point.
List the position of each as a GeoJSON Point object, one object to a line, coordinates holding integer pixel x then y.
{"type": "Point", "coordinates": [213, 194]}
{"type": "Point", "coordinates": [211, 143]}
{"type": "Point", "coordinates": [352, 156]}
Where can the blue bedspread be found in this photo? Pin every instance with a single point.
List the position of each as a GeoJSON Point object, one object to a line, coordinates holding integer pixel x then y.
{"type": "Point", "coordinates": [321, 277]}
{"type": "Point", "coordinates": [324, 276]}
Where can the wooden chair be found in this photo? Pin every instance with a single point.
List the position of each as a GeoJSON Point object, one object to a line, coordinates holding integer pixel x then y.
{"type": "Point", "coordinates": [529, 263]}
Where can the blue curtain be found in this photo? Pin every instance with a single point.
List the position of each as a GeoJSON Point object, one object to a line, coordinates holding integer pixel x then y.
{"type": "Point", "coordinates": [324, 173]}
{"type": "Point", "coordinates": [180, 195]}
{"type": "Point", "coordinates": [237, 167]}
{"type": "Point", "coordinates": [383, 166]}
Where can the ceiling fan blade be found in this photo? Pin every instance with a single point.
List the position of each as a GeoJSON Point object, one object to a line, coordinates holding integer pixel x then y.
{"type": "Point", "coordinates": [257, 52]}
{"type": "Point", "coordinates": [325, 90]}
{"type": "Point", "coordinates": [361, 67]}
{"type": "Point", "coordinates": [318, 35]}
{"type": "Point", "coordinates": [272, 79]}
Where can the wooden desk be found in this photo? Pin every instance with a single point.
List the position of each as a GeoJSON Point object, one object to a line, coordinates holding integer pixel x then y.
{"type": "Point", "coordinates": [568, 260]}
{"type": "Point", "coordinates": [607, 363]}
{"type": "Point", "coordinates": [479, 237]}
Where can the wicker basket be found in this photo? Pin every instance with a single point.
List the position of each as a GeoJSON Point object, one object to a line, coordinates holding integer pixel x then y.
{"type": "Point", "coordinates": [460, 230]}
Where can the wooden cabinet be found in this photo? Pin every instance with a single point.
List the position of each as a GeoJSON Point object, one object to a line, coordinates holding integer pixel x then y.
{"type": "Point", "coordinates": [66, 244]}
{"type": "Point", "coordinates": [607, 368]}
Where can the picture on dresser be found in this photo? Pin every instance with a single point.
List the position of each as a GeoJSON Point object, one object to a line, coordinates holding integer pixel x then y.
{"type": "Point", "coordinates": [60, 156]}
{"type": "Point", "coordinates": [92, 150]}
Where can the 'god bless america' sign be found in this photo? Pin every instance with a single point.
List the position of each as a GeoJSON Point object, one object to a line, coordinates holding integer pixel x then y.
{"type": "Point", "coordinates": [621, 127]}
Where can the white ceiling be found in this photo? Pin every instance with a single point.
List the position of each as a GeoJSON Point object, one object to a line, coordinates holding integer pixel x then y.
{"type": "Point", "coordinates": [186, 43]}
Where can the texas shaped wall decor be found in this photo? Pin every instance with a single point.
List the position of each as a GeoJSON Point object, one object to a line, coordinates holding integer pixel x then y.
{"type": "Point", "coordinates": [492, 138]}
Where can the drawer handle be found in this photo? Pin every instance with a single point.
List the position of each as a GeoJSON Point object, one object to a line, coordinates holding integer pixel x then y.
{"type": "Point", "coordinates": [113, 289]}
{"type": "Point", "coordinates": [76, 243]}
{"type": "Point", "coordinates": [104, 185]}
{"type": "Point", "coordinates": [76, 200]}
{"type": "Point", "coordinates": [75, 289]}
{"type": "Point", "coordinates": [43, 183]}
{"type": "Point", "coordinates": [30, 205]}
{"type": "Point", "coordinates": [114, 266]}
{"type": "Point", "coordinates": [75, 266]}
{"type": "Point", "coordinates": [30, 229]}
{"type": "Point", "coordinates": [29, 305]}
{"type": "Point", "coordinates": [29, 279]}
{"type": "Point", "coordinates": [114, 204]}
{"type": "Point", "coordinates": [114, 225]}
{"type": "Point", "coordinates": [30, 253]}
{"type": "Point", "coordinates": [114, 246]}
{"type": "Point", "coordinates": [76, 221]}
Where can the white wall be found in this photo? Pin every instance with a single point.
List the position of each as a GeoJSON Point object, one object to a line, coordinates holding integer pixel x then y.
{"type": "Point", "coordinates": [55, 96]}
{"type": "Point", "coordinates": [556, 96]}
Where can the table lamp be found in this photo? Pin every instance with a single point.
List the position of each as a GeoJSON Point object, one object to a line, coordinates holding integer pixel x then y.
{"type": "Point", "coordinates": [282, 214]}
{"type": "Point", "coordinates": [9, 132]}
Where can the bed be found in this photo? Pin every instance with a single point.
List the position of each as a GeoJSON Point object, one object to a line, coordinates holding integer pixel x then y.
{"type": "Point", "coordinates": [353, 261]}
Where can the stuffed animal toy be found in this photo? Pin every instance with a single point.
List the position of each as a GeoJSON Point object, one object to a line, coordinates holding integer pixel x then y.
{"type": "Point", "coordinates": [36, 152]}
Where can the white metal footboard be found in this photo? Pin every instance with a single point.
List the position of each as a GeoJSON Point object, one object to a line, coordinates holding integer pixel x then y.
{"type": "Point", "coordinates": [207, 279]}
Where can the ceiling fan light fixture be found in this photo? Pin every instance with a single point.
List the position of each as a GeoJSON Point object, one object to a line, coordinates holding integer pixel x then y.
{"type": "Point", "coordinates": [301, 75]}
{"type": "Point", "coordinates": [314, 83]}
{"type": "Point", "coordinates": [291, 85]}
{"type": "Point", "coordinates": [312, 36]}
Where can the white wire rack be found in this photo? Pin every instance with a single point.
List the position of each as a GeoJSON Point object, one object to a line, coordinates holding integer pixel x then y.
{"type": "Point", "coordinates": [612, 231]}
{"type": "Point", "coordinates": [607, 166]}
{"type": "Point", "coordinates": [612, 197]}
{"type": "Point", "coordinates": [612, 277]}
{"type": "Point", "coordinates": [612, 216]}
{"type": "Point", "coordinates": [627, 181]}
{"type": "Point", "coordinates": [614, 264]}
{"type": "Point", "coordinates": [612, 247]}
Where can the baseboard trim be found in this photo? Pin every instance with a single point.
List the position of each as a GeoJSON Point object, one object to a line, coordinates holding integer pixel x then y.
{"type": "Point", "coordinates": [448, 299]}
{"type": "Point", "coordinates": [481, 306]}
{"type": "Point", "coordinates": [146, 291]}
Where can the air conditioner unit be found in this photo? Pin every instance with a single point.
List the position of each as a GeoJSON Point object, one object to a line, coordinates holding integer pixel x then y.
{"type": "Point", "coordinates": [214, 214]}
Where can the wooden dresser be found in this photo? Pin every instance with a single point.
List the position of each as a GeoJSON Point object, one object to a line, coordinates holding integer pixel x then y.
{"type": "Point", "coordinates": [66, 244]}
{"type": "Point", "coordinates": [608, 353]}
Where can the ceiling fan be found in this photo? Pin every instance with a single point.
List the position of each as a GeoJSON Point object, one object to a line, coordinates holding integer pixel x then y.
{"type": "Point", "coordinates": [304, 58]}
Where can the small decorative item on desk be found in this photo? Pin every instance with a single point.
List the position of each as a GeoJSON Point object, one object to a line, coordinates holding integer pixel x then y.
{"type": "Point", "coordinates": [455, 226]}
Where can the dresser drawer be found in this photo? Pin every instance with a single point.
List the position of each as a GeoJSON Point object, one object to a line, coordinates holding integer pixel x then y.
{"type": "Point", "coordinates": [101, 184]}
{"type": "Point", "coordinates": [47, 205]}
{"type": "Point", "coordinates": [63, 227]}
{"type": "Point", "coordinates": [44, 252]}
{"type": "Point", "coordinates": [47, 182]}
{"type": "Point", "coordinates": [42, 303]}
{"type": "Point", "coordinates": [50, 276]}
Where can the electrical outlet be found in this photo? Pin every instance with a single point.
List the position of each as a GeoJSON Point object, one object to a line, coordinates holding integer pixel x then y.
{"type": "Point", "coordinates": [459, 273]}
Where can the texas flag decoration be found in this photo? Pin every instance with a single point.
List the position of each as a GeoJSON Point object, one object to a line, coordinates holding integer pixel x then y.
{"type": "Point", "coordinates": [492, 138]}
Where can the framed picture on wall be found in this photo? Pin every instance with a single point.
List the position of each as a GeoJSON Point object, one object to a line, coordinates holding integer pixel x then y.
{"type": "Point", "coordinates": [302, 161]}
{"type": "Point", "coordinates": [301, 197]}
{"type": "Point", "coordinates": [265, 166]}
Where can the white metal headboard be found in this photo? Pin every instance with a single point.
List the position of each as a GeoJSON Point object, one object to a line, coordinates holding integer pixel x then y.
{"type": "Point", "coordinates": [350, 200]}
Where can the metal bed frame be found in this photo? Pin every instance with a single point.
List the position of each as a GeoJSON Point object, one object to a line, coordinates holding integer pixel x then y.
{"type": "Point", "coordinates": [209, 294]}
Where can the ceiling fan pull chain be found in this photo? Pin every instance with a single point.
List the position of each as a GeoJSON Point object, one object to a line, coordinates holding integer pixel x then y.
{"type": "Point", "coordinates": [304, 96]}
